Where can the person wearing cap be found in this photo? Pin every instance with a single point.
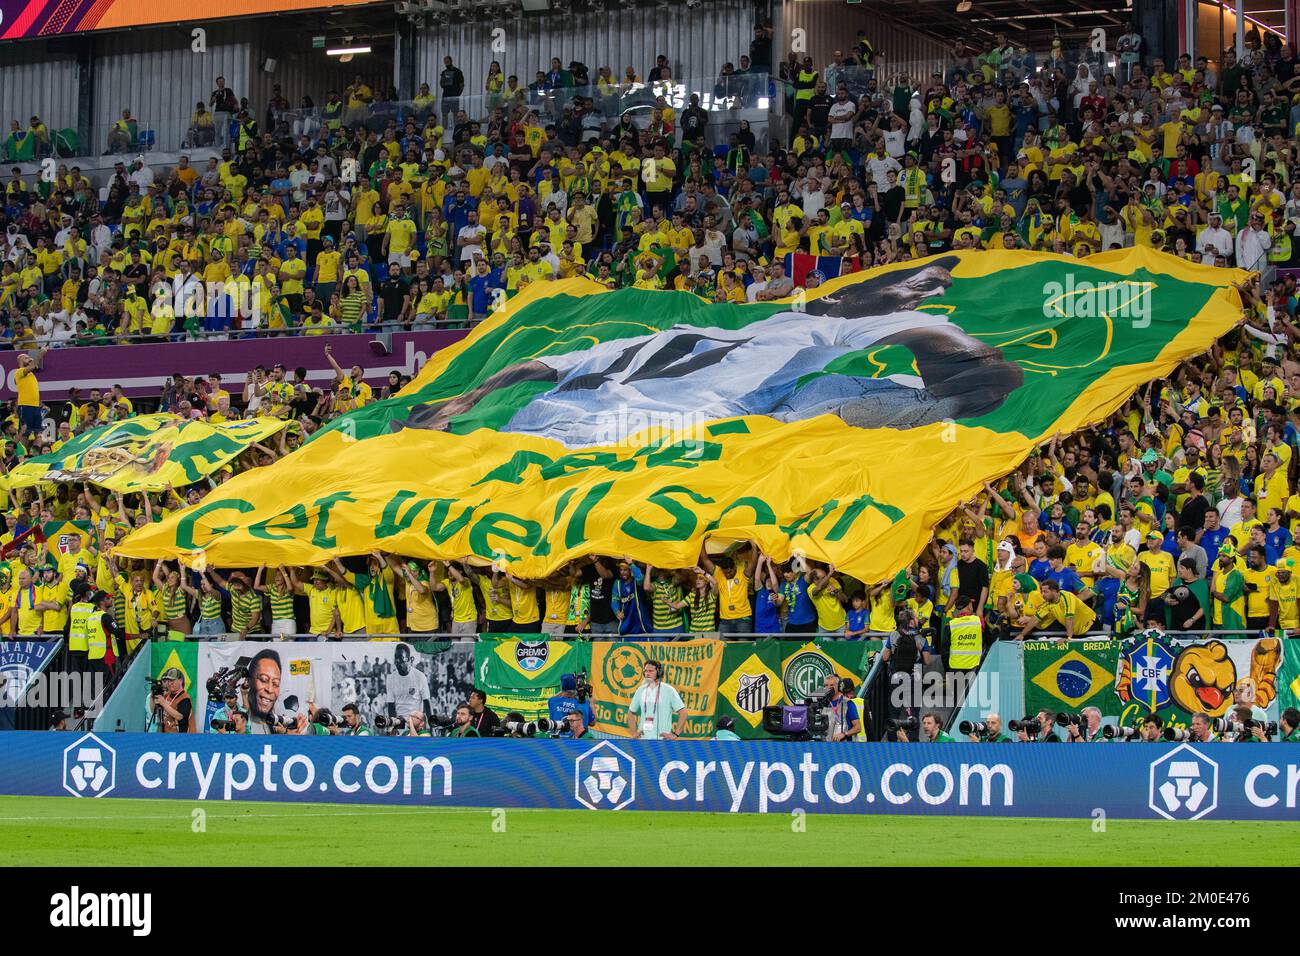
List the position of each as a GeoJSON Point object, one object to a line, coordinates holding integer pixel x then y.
{"type": "Point", "coordinates": [323, 616]}
{"type": "Point", "coordinates": [1159, 562]}
{"type": "Point", "coordinates": [52, 593]}
{"type": "Point", "coordinates": [1228, 591]}
{"type": "Point", "coordinates": [173, 708]}
{"type": "Point", "coordinates": [1283, 592]}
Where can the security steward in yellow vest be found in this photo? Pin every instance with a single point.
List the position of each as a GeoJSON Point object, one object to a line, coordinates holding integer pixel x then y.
{"type": "Point", "coordinates": [78, 617]}
{"type": "Point", "coordinates": [101, 630]}
{"type": "Point", "coordinates": [965, 637]}
{"type": "Point", "coordinates": [173, 707]}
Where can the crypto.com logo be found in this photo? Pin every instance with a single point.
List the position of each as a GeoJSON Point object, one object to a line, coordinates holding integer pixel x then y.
{"type": "Point", "coordinates": [89, 767]}
{"type": "Point", "coordinates": [1184, 784]}
{"type": "Point", "coordinates": [604, 778]}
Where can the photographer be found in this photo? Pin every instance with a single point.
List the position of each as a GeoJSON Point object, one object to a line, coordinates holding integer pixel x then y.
{"type": "Point", "coordinates": [568, 700]}
{"type": "Point", "coordinates": [236, 722]}
{"type": "Point", "coordinates": [352, 725]}
{"type": "Point", "coordinates": [1247, 729]}
{"type": "Point", "coordinates": [173, 707]}
{"type": "Point", "coordinates": [576, 726]}
{"type": "Point", "coordinates": [1201, 733]}
{"type": "Point", "coordinates": [1152, 729]}
{"type": "Point", "coordinates": [417, 726]}
{"type": "Point", "coordinates": [1090, 732]}
{"type": "Point", "coordinates": [992, 731]}
{"type": "Point", "coordinates": [932, 731]}
{"type": "Point", "coordinates": [1043, 733]}
{"type": "Point", "coordinates": [844, 723]}
{"type": "Point", "coordinates": [464, 723]}
{"type": "Point", "coordinates": [1290, 726]}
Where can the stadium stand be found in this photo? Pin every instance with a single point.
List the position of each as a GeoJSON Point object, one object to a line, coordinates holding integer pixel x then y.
{"type": "Point", "coordinates": [360, 212]}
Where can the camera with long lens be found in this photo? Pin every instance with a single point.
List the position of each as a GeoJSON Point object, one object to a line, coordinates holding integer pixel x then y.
{"type": "Point", "coordinates": [156, 688]}
{"type": "Point", "coordinates": [390, 725]}
{"type": "Point", "coordinates": [1032, 726]}
{"type": "Point", "coordinates": [969, 727]}
{"type": "Point", "coordinates": [1076, 720]}
{"type": "Point", "coordinates": [225, 682]}
{"type": "Point", "coordinates": [543, 727]}
{"type": "Point", "coordinates": [222, 726]}
{"type": "Point", "coordinates": [1246, 729]}
{"type": "Point", "coordinates": [895, 724]}
{"type": "Point", "coordinates": [1177, 733]}
{"type": "Point", "coordinates": [1112, 732]}
{"type": "Point", "coordinates": [327, 718]}
{"type": "Point", "coordinates": [806, 721]}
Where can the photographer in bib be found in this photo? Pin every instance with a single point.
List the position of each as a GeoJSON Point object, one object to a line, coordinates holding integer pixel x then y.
{"type": "Point", "coordinates": [844, 723]}
{"type": "Point", "coordinates": [173, 710]}
{"type": "Point", "coordinates": [988, 732]}
{"type": "Point", "coordinates": [657, 711]}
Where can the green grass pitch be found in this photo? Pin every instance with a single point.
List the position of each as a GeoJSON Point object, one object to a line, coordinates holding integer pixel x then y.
{"type": "Point", "coordinates": [65, 831]}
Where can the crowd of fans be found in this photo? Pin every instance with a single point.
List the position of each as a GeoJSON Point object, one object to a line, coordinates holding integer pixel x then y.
{"type": "Point", "coordinates": [1178, 511]}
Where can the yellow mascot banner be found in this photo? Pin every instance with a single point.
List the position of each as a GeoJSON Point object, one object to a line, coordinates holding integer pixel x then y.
{"type": "Point", "coordinates": [843, 425]}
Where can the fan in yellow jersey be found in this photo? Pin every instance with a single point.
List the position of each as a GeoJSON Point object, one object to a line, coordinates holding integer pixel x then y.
{"type": "Point", "coordinates": [1062, 608]}
{"type": "Point", "coordinates": [460, 588]}
{"type": "Point", "coordinates": [495, 591]}
{"type": "Point", "coordinates": [1283, 593]}
{"type": "Point", "coordinates": [323, 615]}
{"type": "Point", "coordinates": [421, 583]}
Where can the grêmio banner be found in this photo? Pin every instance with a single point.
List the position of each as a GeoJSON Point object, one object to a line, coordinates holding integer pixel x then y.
{"type": "Point", "coordinates": [1176, 782]}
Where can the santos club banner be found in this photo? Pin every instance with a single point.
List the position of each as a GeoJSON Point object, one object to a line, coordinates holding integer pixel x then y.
{"type": "Point", "coordinates": [1155, 781]}
{"type": "Point", "coordinates": [1127, 680]}
{"type": "Point", "coordinates": [145, 453]}
{"type": "Point", "coordinates": [577, 420]}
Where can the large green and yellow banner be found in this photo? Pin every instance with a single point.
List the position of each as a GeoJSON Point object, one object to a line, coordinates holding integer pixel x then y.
{"type": "Point", "coordinates": [145, 453]}
{"type": "Point", "coordinates": [843, 425]}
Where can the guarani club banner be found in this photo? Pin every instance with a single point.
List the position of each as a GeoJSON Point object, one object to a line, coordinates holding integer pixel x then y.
{"type": "Point", "coordinates": [388, 678]}
{"type": "Point", "coordinates": [522, 674]}
{"type": "Point", "coordinates": [576, 420]}
{"type": "Point", "coordinates": [145, 453]}
{"type": "Point", "coordinates": [1127, 680]}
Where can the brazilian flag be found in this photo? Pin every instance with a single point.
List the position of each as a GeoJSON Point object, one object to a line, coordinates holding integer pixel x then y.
{"type": "Point", "coordinates": [1067, 677]}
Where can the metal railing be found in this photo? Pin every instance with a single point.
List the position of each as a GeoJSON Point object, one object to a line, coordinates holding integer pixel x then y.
{"type": "Point", "coordinates": [664, 636]}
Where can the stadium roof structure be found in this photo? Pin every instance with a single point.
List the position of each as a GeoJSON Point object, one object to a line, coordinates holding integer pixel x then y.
{"type": "Point", "coordinates": [1034, 23]}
